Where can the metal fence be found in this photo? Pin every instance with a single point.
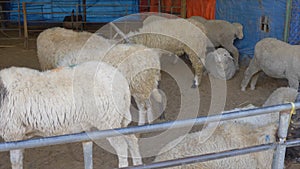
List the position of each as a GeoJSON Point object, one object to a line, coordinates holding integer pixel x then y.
{"type": "Point", "coordinates": [86, 19]}
{"type": "Point", "coordinates": [280, 146]}
{"type": "Point", "coordinates": [10, 29]}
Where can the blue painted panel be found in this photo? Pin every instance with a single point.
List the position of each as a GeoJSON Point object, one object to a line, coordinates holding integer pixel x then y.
{"type": "Point", "coordinates": [294, 36]}
{"type": "Point", "coordinates": [248, 13]}
{"type": "Point", "coordinates": [97, 10]}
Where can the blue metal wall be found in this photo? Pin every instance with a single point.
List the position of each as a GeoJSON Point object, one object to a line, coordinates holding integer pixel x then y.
{"type": "Point", "coordinates": [294, 36]}
{"type": "Point", "coordinates": [97, 10]}
{"type": "Point", "coordinates": [248, 13]}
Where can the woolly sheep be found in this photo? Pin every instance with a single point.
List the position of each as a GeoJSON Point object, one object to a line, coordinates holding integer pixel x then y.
{"type": "Point", "coordinates": [226, 136]}
{"type": "Point", "coordinates": [53, 44]}
{"type": "Point", "coordinates": [186, 38]}
{"type": "Point", "coordinates": [220, 64]}
{"type": "Point", "coordinates": [279, 96]}
{"type": "Point", "coordinates": [139, 64]}
{"type": "Point", "coordinates": [232, 134]}
{"type": "Point", "coordinates": [45, 104]}
{"type": "Point", "coordinates": [223, 33]}
{"type": "Point", "coordinates": [84, 46]}
{"type": "Point", "coordinates": [276, 59]}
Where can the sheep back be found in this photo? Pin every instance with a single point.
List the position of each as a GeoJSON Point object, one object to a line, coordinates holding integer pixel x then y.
{"type": "Point", "coordinates": [70, 100]}
{"type": "Point", "coordinates": [225, 137]}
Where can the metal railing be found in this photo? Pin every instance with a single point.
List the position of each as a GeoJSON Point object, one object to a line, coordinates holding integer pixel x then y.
{"type": "Point", "coordinates": [10, 29]}
{"type": "Point", "coordinates": [89, 18]}
{"type": "Point", "coordinates": [280, 146]}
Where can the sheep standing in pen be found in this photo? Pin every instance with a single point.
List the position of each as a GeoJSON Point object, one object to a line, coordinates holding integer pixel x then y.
{"type": "Point", "coordinates": [276, 59]}
{"type": "Point", "coordinates": [232, 134]}
{"type": "Point", "coordinates": [53, 44]}
{"type": "Point", "coordinates": [67, 100]}
{"type": "Point", "coordinates": [220, 64]}
{"type": "Point", "coordinates": [186, 38]}
{"type": "Point", "coordinates": [223, 33]}
{"type": "Point", "coordinates": [139, 64]}
{"type": "Point", "coordinates": [71, 47]}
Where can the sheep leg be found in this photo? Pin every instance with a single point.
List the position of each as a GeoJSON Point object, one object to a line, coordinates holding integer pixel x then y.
{"type": "Point", "coordinates": [16, 158]}
{"type": "Point", "coordinates": [293, 81]}
{"type": "Point", "coordinates": [250, 71]}
{"type": "Point", "coordinates": [150, 117]}
{"type": "Point", "coordinates": [133, 145]}
{"type": "Point", "coordinates": [196, 63]}
{"type": "Point", "coordinates": [121, 147]}
{"type": "Point", "coordinates": [88, 154]}
{"type": "Point", "coordinates": [142, 112]}
{"type": "Point", "coordinates": [254, 81]}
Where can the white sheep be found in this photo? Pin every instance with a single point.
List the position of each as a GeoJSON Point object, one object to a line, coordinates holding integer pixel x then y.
{"type": "Point", "coordinates": [53, 44]}
{"type": "Point", "coordinates": [220, 64]}
{"type": "Point", "coordinates": [178, 36]}
{"type": "Point", "coordinates": [222, 33]}
{"type": "Point", "coordinates": [232, 134]}
{"type": "Point", "coordinates": [83, 46]}
{"type": "Point", "coordinates": [279, 96]}
{"type": "Point", "coordinates": [63, 101]}
{"type": "Point", "coordinates": [276, 59]}
{"type": "Point", "coordinates": [226, 136]}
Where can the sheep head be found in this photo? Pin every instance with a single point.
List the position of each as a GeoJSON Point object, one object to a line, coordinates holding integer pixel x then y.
{"type": "Point", "coordinates": [239, 30]}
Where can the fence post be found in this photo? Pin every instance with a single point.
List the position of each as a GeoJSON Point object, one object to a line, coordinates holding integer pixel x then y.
{"type": "Point", "coordinates": [88, 154]}
{"type": "Point", "coordinates": [183, 9]}
{"type": "Point", "coordinates": [279, 155]}
{"type": "Point", "coordinates": [25, 25]}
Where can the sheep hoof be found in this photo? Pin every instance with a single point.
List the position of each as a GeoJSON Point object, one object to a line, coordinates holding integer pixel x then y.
{"type": "Point", "coordinates": [194, 86]}
{"type": "Point", "coordinates": [252, 88]}
{"type": "Point", "coordinates": [162, 116]}
{"type": "Point", "coordinates": [243, 89]}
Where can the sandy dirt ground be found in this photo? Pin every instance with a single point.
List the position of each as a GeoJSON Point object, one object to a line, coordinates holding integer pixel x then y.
{"type": "Point", "coordinates": [70, 155]}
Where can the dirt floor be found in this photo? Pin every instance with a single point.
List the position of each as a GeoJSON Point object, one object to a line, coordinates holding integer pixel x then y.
{"type": "Point", "coordinates": [69, 156]}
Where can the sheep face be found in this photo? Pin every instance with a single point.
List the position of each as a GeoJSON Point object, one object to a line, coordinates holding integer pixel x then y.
{"type": "Point", "coordinates": [239, 30]}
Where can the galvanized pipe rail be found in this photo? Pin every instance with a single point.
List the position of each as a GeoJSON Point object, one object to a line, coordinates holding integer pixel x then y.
{"type": "Point", "coordinates": [214, 156]}
{"type": "Point", "coordinates": [82, 137]}
{"type": "Point", "coordinates": [88, 136]}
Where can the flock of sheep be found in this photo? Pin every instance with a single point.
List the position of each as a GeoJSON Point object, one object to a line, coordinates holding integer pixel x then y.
{"type": "Point", "coordinates": [88, 80]}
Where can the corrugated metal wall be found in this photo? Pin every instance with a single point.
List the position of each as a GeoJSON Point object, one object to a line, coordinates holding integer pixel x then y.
{"type": "Point", "coordinates": [251, 14]}
{"type": "Point", "coordinates": [294, 36]}
{"type": "Point", "coordinates": [97, 11]}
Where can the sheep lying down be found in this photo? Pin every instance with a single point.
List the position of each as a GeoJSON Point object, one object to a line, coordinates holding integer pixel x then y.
{"type": "Point", "coordinates": [276, 59]}
{"type": "Point", "coordinates": [64, 101]}
{"type": "Point", "coordinates": [231, 134]}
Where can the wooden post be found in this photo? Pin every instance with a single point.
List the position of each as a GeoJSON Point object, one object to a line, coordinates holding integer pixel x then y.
{"type": "Point", "coordinates": [183, 9]}
{"type": "Point", "coordinates": [25, 25]}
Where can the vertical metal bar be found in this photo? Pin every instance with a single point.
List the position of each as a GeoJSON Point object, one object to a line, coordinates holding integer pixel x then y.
{"type": "Point", "coordinates": [278, 159]}
{"type": "Point", "coordinates": [88, 154]}
{"type": "Point", "coordinates": [159, 6]}
{"type": "Point", "coordinates": [77, 8]}
{"type": "Point", "coordinates": [19, 19]}
{"type": "Point", "coordinates": [287, 20]}
{"type": "Point", "coordinates": [149, 5]}
{"type": "Point", "coordinates": [183, 9]}
{"type": "Point", "coordinates": [84, 13]}
{"type": "Point", "coordinates": [25, 25]}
